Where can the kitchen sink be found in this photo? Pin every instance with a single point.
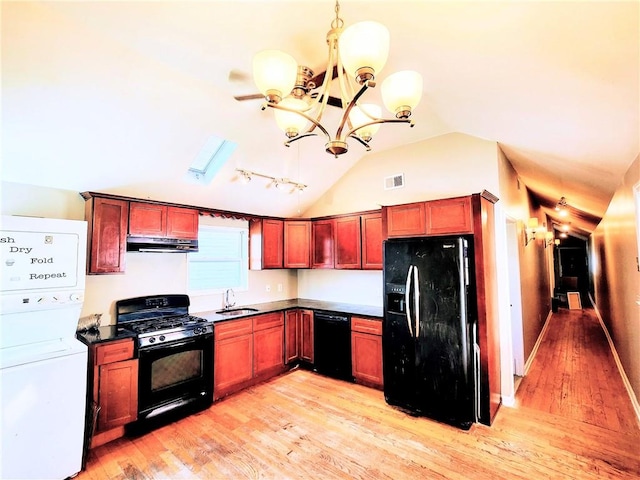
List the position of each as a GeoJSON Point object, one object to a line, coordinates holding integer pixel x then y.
{"type": "Point", "coordinates": [237, 311]}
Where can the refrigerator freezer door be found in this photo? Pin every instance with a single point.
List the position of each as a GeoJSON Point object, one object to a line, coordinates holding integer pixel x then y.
{"type": "Point", "coordinates": [398, 342]}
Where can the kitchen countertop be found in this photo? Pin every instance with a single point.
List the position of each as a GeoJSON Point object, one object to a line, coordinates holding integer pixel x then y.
{"type": "Point", "coordinates": [112, 332]}
{"type": "Point", "coordinates": [268, 307]}
{"type": "Point", "coordinates": [109, 333]}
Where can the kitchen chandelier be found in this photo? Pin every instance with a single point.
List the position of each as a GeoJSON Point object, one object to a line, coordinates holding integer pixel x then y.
{"type": "Point", "coordinates": [358, 53]}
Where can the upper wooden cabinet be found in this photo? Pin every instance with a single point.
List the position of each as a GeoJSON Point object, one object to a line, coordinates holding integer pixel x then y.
{"type": "Point", "coordinates": [348, 242]}
{"type": "Point", "coordinates": [154, 220]}
{"type": "Point", "coordinates": [406, 220]}
{"type": "Point", "coordinates": [297, 243]}
{"type": "Point", "coordinates": [322, 239]}
{"type": "Point", "coordinates": [266, 244]}
{"type": "Point", "coordinates": [449, 216]}
{"type": "Point", "coordinates": [107, 234]}
{"type": "Point", "coordinates": [371, 225]}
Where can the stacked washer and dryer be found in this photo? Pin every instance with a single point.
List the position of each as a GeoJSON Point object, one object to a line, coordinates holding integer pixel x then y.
{"type": "Point", "coordinates": [43, 367]}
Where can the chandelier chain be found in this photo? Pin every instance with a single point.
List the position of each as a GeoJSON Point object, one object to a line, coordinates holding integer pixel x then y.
{"type": "Point", "coordinates": [338, 22]}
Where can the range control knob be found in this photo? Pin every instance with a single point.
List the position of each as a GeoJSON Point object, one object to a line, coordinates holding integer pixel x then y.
{"type": "Point", "coordinates": [152, 340]}
{"type": "Point", "coordinates": [161, 338]}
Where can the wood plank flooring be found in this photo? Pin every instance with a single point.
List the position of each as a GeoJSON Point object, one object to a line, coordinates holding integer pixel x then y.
{"type": "Point", "coordinates": [571, 421]}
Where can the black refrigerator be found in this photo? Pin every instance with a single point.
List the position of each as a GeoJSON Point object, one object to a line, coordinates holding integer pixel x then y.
{"type": "Point", "coordinates": [429, 338]}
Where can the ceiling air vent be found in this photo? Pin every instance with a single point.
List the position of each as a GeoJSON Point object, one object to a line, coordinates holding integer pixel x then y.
{"type": "Point", "coordinates": [394, 181]}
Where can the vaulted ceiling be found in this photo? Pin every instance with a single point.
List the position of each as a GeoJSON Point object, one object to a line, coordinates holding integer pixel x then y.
{"type": "Point", "coordinates": [121, 96]}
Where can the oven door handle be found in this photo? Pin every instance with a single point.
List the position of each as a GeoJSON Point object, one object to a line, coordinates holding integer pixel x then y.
{"type": "Point", "coordinates": [175, 345]}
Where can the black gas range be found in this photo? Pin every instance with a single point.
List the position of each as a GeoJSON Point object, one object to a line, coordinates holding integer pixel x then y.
{"type": "Point", "coordinates": [160, 319]}
{"type": "Point", "coordinates": [175, 358]}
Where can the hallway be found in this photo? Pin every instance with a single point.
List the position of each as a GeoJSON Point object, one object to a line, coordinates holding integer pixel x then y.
{"type": "Point", "coordinates": [574, 375]}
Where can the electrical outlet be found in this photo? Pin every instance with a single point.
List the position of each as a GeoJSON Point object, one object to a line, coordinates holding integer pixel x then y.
{"type": "Point", "coordinates": [268, 288]}
{"type": "Point", "coordinates": [279, 287]}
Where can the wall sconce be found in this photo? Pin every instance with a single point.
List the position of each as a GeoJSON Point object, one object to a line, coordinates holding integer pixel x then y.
{"type": "Point", "coordinates": [530, 231]}
{"type": "Point", "coordinates": [548, 239]}
{"type": "Point", "coordinates": [281, 184]}
{"type": "Point", "coordinates": [557, 242]}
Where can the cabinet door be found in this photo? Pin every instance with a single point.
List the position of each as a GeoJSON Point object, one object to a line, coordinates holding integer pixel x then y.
{"type": "Point", "coordinates": [273, 243]}
{"type": "Point", "coordinates": [297, 243]}
{"type": "Point", "coordinates": [118, 394]}
{"type": "Point", "coordinates": [291, 336]}
{"type": "Point", "coordinates": [182, 223]}
{"type": "Point", "coordinates": [268, 350]}
{"type": "Point", "coordinates": [348, 245]}
{"type": "Point", "coordinates": [107, 243]}
{"type": "Point", "coordinates": [406, 220]}
{"type": "Point", "coordinates": [306, 335]}
{"type": "Point", "coordinates": [366, 358]}
{"type": "Point", "coordinates": [449, 216]}
{"type": "Point", "coordinates": [147, 219]}
{"type": "Point", "coordinates": [233, 363]}
{"type": "Point", "coordinates": [371, 241]}
{"type": "Point", "coordinates": [322, 244]}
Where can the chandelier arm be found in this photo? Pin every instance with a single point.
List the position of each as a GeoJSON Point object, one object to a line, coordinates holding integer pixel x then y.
{"type": "Point", "coordinates": [380, 120]}
{"type": "Point", "coordinates": [366, 145]}
{"type": "Point", "coordinates": [322, 99]}
{"type": "Point", "coordinates": [345, 115]}
{"type": "Point", "coordinates": [299, 137]}
{"type": "Point", "coordinates": [277, 106]}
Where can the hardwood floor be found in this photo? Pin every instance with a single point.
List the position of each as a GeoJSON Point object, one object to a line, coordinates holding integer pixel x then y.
{"type": "Point", "coordinates": [571, 421]}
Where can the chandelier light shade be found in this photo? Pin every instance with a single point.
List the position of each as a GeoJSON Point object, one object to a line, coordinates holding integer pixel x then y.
{"type": "Point", "coordinates": [356, 56]}
{"type": "Point", "coordinates": [289, 122]}
{"type": "Point", "coordinates": [364, 48]}
{"type": "Point", "coordinates": [362, 115]}
{"type": "Point", "coordinates": [274, 73]}
{"type": "Point", "coordinates": [401, 92]}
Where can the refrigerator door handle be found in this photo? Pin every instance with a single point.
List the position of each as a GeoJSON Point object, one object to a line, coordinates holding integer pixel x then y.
{"type": "Point", "coordinates": [416, 299]}
{"type": "Point", "coordinates": [406, 298]}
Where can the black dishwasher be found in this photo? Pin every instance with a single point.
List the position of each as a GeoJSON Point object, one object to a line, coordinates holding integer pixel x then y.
{"type": "Point", "coordinates": [332, 344]}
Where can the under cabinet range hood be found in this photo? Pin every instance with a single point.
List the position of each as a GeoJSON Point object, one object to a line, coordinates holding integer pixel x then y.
{"type": "Point", "coordinates": [161, 245]}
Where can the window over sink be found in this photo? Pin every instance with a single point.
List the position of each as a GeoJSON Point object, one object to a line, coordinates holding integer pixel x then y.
{"type": "Point", "coordinates": [222, 259]}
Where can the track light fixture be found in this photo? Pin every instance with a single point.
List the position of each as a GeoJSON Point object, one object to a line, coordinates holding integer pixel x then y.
{"type": "Point", "coordinates": [281, 184]}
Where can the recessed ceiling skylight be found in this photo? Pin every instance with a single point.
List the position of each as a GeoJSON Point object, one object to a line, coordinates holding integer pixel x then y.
{"type": "Point", "coordinates": [211, 158]}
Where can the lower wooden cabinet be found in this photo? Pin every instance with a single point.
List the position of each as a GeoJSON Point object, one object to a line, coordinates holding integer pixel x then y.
{"type": "Point", "coordinates": [298, 335]}
{"type": "Point", "coordinates": [246, 351]}
{"type": "Point", "coordinates": [268, 344]}
{"type": "Point", "coordinates": [366, 351]}
{"type": "Point", "coordinates": [115, 388]}
{"type": "Point", "coordinates": [306, 335]}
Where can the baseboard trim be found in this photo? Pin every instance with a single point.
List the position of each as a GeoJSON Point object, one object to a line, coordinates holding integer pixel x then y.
{"type": "Point", "coordinates": [529, 361]}
{"type": "Point", "coordinates": [616, 358]}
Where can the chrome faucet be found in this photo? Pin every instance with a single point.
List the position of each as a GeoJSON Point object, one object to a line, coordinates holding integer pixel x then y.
{"type": "Point", "coordinates": [229, 299]}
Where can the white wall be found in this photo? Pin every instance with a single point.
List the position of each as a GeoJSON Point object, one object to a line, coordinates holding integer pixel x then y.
{"type": "Point", "coordinates": [617, 275]}
{"type": "Point", "coordinates": [358, 286]}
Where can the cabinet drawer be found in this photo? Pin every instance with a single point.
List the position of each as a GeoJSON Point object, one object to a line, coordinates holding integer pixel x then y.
{"type": "Point", "coordinates": [268, 320]}
{"type": "Point", "coordinates": [115, 351]}
{"type": "Point", "coordinates": [365, 325]}
{"type": "Point", "coordinates": [232, 328]}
